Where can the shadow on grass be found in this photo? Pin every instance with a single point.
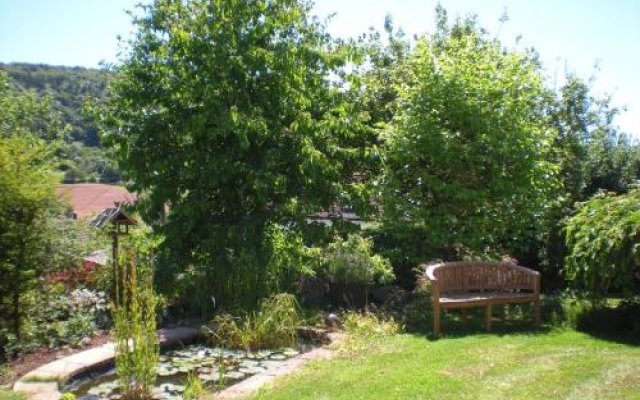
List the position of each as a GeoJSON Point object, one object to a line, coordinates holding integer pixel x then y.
{"type": "Point", "coordinates": [619, 324]}
{"type": "Point", "coordinates": [516, 320]}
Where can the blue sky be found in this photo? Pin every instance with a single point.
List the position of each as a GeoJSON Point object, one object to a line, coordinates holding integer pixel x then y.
{"type": "Point", "coordinates": [570, 35]}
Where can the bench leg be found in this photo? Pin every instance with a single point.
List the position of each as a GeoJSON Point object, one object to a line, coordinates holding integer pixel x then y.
{"type": "Point", "coordinates": [436, 319]}
{"type": "Point", "coordinates": [465, 317]}
{"type": "Point", "coordinates": [487, 318]}
{"type": "Point", "coordinates": [536, 313]}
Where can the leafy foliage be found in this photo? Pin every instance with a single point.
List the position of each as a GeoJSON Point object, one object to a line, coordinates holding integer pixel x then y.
{"type": "Point", "coordinates": [603, 241]}
{"type": "Point", "coordinates": [241, 94]}
{"type": "Point", "coordinates": [54, 318]}
{"type": "Point", "coordinates": [591, 153]}
{"type": "Point", "coordinates": [80, 163]}
{"type": "Point", "coordinates": [352, 260]}
{"type": "Point", "coordinates": [273, 325]}
{"type": "Point", "coordinates": [34, 238]}
{"type": "Point", "coordinates": [67, 87]}
{"type": "Point", "coordinates": [466, 158]}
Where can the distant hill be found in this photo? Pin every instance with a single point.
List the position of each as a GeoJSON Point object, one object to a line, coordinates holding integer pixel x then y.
{"type": "Point", "coordinates": [82, 159]}
{"type": "Point", "coordinates": [68, 88]}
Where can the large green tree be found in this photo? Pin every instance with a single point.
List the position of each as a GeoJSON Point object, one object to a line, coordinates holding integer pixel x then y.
{"type": "Point", "coordinates": [466, 159]}
{"type": "Point", "coordinates": [31, 235]}
{"type": "Point", "coordinates": [231, 114]}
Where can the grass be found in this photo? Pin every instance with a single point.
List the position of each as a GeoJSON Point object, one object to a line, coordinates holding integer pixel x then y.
{"type": "Point", "coordinates": [6, 394]}
{"type": "Point", "coordinates": [557, 364]}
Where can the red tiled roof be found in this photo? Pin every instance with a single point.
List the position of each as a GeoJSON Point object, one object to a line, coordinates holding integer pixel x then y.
{"type": "Point", "coordinates": [89, 199]}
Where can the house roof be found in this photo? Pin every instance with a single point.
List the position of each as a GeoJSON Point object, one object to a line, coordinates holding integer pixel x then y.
{"type": "Point", "coordinates": [90, 199]}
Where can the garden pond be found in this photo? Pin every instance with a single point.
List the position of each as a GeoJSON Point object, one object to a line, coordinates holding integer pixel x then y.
{"type": "Point", "coordinates": [215, 367]}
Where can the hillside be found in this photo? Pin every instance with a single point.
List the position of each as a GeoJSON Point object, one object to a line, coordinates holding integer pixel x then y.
{"type": "Point", "coordinates": [69, 87]}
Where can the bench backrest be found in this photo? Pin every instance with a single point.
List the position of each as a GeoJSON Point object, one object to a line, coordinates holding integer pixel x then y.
{"type": "Point", "coordinates": [463, 276]}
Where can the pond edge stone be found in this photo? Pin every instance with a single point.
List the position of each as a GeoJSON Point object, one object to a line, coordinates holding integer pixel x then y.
{"type": "Point", "coordinates": [42, 382]}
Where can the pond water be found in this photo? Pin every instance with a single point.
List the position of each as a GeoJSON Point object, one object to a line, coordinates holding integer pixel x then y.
{"type": "Point", "coordinates": [216, 367]}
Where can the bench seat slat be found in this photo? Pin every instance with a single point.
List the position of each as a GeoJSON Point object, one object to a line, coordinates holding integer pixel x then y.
{"type": "Point", "coordinates": [478, 299]}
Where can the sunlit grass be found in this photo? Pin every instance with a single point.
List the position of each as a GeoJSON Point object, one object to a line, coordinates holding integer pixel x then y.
{"type": "Point", "coordinates": [6, 394]}
{"type": "Point", "coordinates": [558, 364]}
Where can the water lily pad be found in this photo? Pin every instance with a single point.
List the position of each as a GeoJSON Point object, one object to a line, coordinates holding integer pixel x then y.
{"type": "Point", "coordinates": [208, 362]}
{"type": "Point", "coordinates": [233, 354]}
{"type": "Point", "coordinates": [204, 370]}
{"type": "Point", "coordinates": [290, 352]}
{"type": "Point", "coordinates": [260, 355]}
{"type": "Point", "coordinates": [171, 387]}
{"type": "Point", "coordinates": [158, 392]}
{"type": "Point", "coordinates": [234, 375]}
{"type": "Point", "coordinates": [209, 377]}
{"type": "Point", "coordinates": [270, 363]}
{"type": "Point", "coordinates": [277, 357]}
{"type": "Point", "coordinates": [252, 370]}
{"type": "Point", "coordinates": [167, 372]}
{"type": "Point", "coordinates": [103, 389]}
{"type": "Point", "coordinates": [249, 363]}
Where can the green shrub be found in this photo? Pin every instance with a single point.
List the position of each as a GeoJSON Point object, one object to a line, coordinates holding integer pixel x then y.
{"type": "Point", "coordinates": [417, 314]}
{"type": "Point", "coordinates": [273, 325]}
{"type": "Point", "coordinates": [603, 245]}
{"type": "Point", "coordinates": [353, 261]}
{"type": "Point", "coordinates": [55, 317]}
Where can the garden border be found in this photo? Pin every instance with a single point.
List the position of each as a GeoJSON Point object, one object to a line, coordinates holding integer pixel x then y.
{"type": "Point", "coordinates": [42, 383]}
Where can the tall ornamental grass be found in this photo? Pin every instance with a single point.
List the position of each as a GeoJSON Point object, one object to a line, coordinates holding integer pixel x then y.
{"type": "Point", "coordinates": [134, 330]}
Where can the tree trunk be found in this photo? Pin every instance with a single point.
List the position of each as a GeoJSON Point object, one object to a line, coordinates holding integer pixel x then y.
{"type": "Point", "coordinates": [16, 313]}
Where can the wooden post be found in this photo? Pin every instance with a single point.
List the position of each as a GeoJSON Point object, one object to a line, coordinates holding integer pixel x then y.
{"type": "Point", "coordinates": [487, 318]}
{"type": "Point", "coordinates": [436, 318]}
{"type": "Point", "coordinates": [536, 303]}
{"type": "Point", "coordinates": [536, 313]}
{"type": "Point", "coordinates": [115, 297]}
{"type": "Point", "coordinates": [435, 299]}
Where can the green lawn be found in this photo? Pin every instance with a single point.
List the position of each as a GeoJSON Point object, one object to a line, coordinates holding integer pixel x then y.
{"type": "Point", "coordinates": [6, 394]}
{"type": "Point", "coordinates": [560, 364]}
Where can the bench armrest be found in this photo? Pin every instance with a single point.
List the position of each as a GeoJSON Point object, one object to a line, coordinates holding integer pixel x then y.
{"type": "Point", "coordinates": [429, 272]}
{"type": "Point", "coordinates": [435, 285]}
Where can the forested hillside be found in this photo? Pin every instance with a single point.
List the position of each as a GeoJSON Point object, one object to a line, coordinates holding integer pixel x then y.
{"type": "Point", "coordinates": [68, 88]}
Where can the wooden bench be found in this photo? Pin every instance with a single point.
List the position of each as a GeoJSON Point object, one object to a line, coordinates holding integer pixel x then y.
{"type": "Point", "coordinates": [481, 284]}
